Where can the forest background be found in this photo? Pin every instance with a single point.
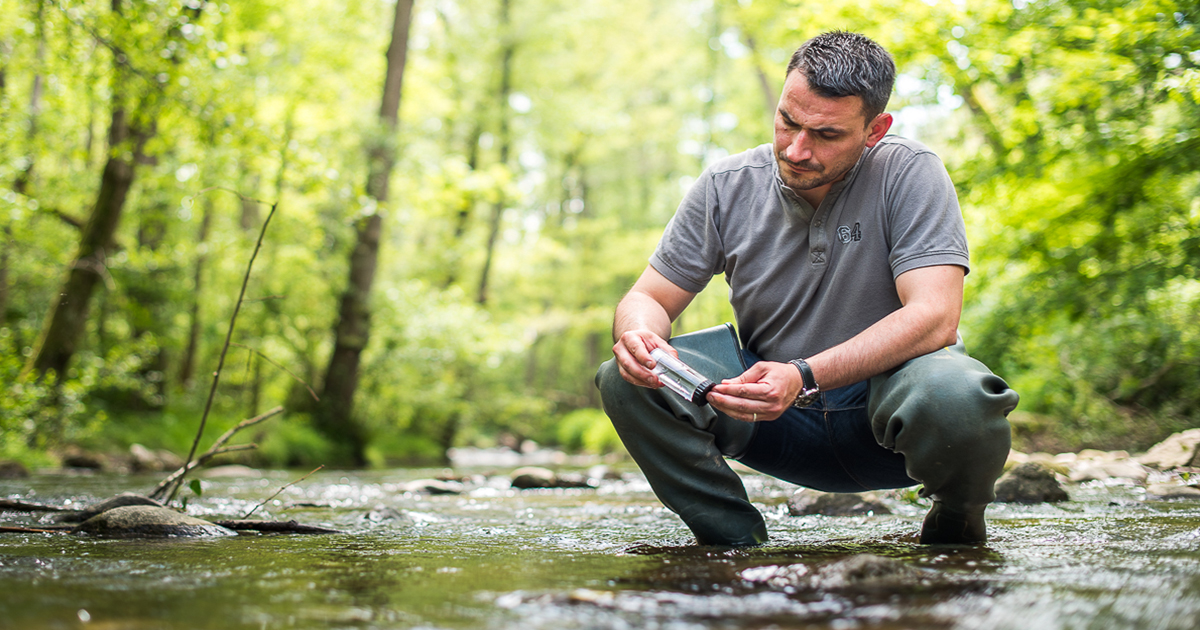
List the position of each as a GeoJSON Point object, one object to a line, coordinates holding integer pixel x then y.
{"type": "Point", "coordinates": [463, 190]}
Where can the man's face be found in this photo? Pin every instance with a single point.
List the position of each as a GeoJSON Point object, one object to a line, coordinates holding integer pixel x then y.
{"type": "Point", "coordinates": [818, 139]}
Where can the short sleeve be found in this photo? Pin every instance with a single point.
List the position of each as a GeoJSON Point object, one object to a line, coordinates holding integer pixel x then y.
{"type": "Point", "coordinates": [690, 251]}
{"type": "Point", "coordinates": [925, 223]}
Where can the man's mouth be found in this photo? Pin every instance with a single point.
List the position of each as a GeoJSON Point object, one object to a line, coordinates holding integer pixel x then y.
{"type": "Point", "coordinates": [803, 167]}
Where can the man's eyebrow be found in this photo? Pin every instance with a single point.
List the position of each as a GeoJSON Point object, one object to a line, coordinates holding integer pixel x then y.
{"type": "Point", "coordinates": [826, 130]}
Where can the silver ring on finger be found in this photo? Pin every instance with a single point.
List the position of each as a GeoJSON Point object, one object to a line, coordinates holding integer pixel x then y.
{"type": "Point", "coordinates": [754, 417]}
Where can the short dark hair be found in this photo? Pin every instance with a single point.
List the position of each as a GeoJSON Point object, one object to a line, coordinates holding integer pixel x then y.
{"type": "Point", "coordinates": [839, 63]}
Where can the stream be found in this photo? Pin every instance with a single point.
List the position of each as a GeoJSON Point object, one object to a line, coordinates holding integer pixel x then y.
{"type": "Point", "coordinates": [609, 557]}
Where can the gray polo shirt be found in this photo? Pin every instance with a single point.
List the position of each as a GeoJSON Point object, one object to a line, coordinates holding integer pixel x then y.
{"type": "Point", "coordinates": [802, 279]}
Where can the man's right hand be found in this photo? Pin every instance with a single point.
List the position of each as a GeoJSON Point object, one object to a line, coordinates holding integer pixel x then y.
{"type": "Point", "coordinates": [632, 351]}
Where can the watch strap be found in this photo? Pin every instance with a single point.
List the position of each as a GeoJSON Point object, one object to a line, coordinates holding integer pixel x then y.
{"type": "Point", "coordinates": [809, 388]}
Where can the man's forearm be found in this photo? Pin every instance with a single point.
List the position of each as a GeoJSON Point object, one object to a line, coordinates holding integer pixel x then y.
{"type": "Point", "coordinates": [903, 335]}
{"type": "Point", "coordinates": [638, 311]}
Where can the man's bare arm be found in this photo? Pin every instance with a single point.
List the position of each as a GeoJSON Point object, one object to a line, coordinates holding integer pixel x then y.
{"type": "Point", "coordinates": [643, 323]}
{"type": "Point", "coordinates": [931, 299]}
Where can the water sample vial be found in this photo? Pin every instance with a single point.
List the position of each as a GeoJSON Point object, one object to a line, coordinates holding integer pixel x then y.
{"type": "Point", "coordinates": [681, 379]}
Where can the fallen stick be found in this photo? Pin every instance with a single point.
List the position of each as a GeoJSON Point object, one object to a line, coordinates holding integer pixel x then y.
{"type": "Point", "coordinates": [22, 506]}
{"type": "Point", "coordinates": [290, 527]}
{"type": "Point", "coordinates": [161, 489]}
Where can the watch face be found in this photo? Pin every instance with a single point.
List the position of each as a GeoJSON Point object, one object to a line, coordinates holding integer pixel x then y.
{"type": "Point", "coordinates": [804, 399]}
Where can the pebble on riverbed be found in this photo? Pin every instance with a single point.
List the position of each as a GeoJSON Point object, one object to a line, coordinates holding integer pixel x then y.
{"type": "Point", "coordinates": [856, 573]}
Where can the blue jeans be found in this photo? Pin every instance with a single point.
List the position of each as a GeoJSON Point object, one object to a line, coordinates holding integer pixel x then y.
{"type": "Point", "coordinates": [826, 446]}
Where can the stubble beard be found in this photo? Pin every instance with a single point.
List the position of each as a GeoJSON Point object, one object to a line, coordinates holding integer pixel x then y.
{"type": "Point", "coordinates": [818, 178]}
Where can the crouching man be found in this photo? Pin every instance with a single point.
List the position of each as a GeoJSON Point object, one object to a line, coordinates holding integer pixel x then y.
{"type": "Point", "coordinates": [845, 252]}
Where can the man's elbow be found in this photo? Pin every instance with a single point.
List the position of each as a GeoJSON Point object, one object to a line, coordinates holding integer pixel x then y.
{"type": "Point", "coordinates": [945, 333]}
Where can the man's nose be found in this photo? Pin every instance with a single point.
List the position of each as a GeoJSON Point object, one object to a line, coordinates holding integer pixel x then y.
{"type": "Point", "coordinates": [799, 150]}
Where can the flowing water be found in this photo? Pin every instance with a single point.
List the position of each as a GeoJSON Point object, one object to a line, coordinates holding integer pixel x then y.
{"type": "Point", "coordinates": [610, 557]}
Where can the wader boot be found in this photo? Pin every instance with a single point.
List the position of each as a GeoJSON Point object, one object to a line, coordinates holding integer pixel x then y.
{"type": "Point", "coordinates": [945, 412]}
{"type": "Point", "coordinates": [681, 447]}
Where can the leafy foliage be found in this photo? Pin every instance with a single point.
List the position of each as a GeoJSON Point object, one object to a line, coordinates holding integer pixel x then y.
{"type": "Point", "coordinates": [1068, 127]}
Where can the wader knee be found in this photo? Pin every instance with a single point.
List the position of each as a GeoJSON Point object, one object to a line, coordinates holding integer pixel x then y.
{"type": "Point", "coordinates": [681, 449]}
{"type": "Point", "coordinates": [946, 413]}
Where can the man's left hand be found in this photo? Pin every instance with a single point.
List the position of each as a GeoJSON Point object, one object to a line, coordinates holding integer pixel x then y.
{"type": "Point", "coordinates": [763, 392]}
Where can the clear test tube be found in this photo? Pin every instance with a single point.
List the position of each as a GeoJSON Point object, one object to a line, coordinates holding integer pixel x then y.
{"type": "Point", "coordinates": [681, 379]}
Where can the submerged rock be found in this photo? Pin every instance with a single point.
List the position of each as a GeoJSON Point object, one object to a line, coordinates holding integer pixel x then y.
{"type": "Point", "coordinates": [1031, 482]}
{"type": "Point", "coordinates": [805, 502]}
{"type": "Point", "coordinates": [1176, 451]}
{"type": "Point", "coordinates": [537, 477]}
{"type": "Point", "coordinates": [141, 521]}
{"type": "Point", "coordinates": [869, 572]}
{"type": "Point", "coordinates": [121, 500]}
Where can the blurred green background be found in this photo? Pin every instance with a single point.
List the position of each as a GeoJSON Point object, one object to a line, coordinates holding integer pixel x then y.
{"type": "Point", "coordinates": [539, 148]}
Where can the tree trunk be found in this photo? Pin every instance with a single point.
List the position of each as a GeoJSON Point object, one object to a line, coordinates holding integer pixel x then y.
{"type": "Point", "coordinates": [187, 369]}
{"type": "Point", "coordinates": [68, 315]}
{"type": "Point", "coordinates": [128, 132]}
{"type": "Point", "coordinates": [6, 242]}
{"type": "Point", "coordinates": [334, 414]}
{"type": "Point", "coordinates": [506, 57]}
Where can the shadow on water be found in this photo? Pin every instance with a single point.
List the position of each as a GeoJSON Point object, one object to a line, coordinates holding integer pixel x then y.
{"type": "Point", "coordinates": [612, 557]}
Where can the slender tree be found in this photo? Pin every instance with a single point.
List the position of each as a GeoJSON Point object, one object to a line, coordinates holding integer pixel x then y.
{"type": "Point", "coordinates": [507, 51]}
{"type": "Point", "coordinates": [132, 125]}
{"type": "Point", "coordinates": [334, 414]}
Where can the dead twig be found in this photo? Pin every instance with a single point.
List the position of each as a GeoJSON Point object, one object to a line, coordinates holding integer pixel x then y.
{"type": "Point", "coordinates": [282, 489]}
{"type": "Point", "coordinates": [289, 372]}
{"type": "Point", "coordinates": [12, 529]}
{"type": "Point", "coordinates": [212, 392]}
{"type": "Point", "coordinates": [161, 489]}
{"type": "Point", "coordinates": [218, 448]}
{"type": "Point", "coordinates": [22, 506]}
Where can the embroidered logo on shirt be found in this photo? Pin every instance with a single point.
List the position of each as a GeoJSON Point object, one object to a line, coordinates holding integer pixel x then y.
{"type": "Point", "coordinates": [847, 234]}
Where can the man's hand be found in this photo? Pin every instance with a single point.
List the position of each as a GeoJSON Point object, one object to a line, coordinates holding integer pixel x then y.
{"type": "Point", "coordinates": [633, 356]}
{"type": "Point", "coordinates": [642, 323]}
{"type": "Point", "coordinates": [763, 392]}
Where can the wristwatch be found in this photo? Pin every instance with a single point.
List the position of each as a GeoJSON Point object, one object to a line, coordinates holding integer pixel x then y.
{"type": "Point", "coordinates": [808, 388]}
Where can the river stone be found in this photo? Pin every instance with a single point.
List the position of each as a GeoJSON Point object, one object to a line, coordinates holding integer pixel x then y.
{"type": "Point", "coordinates": [143, 459]}
{"type": "Point", "coordinates": [1031, 482]}
{"type": "Point", "coordinates": [13, 470]}
{"type": "Point", "coordinates": [230, 471]}
{"type": "Point", "coordinates": [142, 521]}
{"type": "Point", "coordinates": [805, 502]}
{"type": "Point", "coordinates": [533, 477]}
{"type": "Point", "coordinates": [80, 459]}
{"type": "Point", "coordinates": [1174, 452]}
{"type": "Point", "coordinates": [1171, 491]}
{"type": "Point", "coordinates": [1099, 470]}
{"type": "Point", "coordinates": [121, 500]}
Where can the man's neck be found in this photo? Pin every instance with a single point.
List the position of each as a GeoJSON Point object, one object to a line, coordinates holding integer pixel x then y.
{"type": "Point", "coordinates": [815, 196]}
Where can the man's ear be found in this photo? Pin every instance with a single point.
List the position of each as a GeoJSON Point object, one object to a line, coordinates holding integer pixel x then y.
{"type": "Point", "coordinates": [878, 128]}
